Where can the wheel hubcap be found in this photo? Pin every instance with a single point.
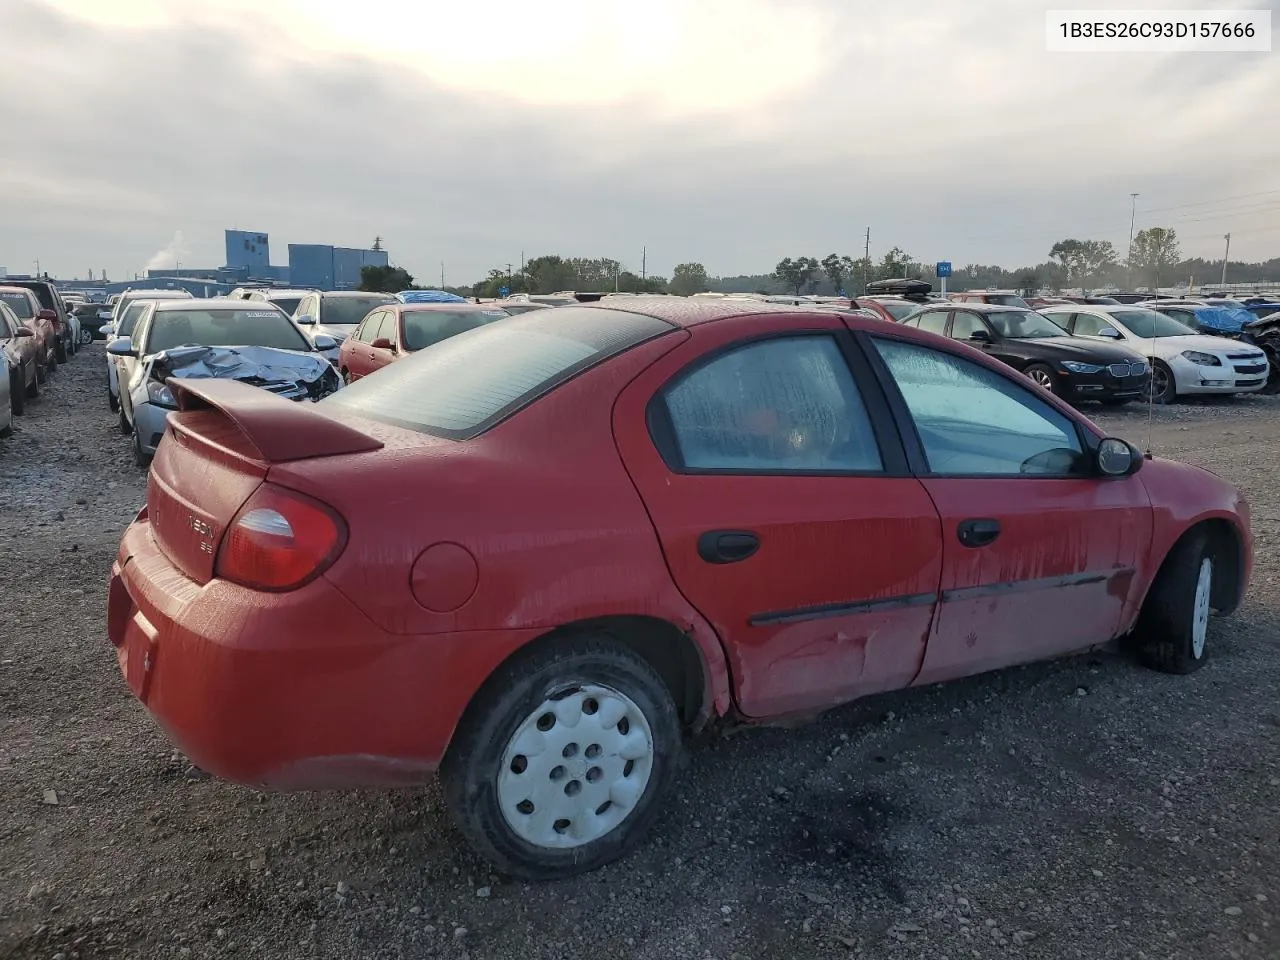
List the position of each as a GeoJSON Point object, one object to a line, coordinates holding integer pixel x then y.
{"type": "Point", "coordinates": [576, 767]}
{"type": "Point", "coordinates": [1042, 378]}
{"type": "Point", "coordinates": [1159, 383]}
{"type": "Point", "coordinates": [1200, 614]}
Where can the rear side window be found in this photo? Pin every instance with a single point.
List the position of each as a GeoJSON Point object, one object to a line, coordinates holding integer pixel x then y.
{"type": "Point", "coordinates": [460, 387]}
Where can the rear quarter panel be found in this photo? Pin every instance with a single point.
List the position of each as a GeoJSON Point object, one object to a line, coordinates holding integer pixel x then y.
{"type": "Point", "coordinates": [543, 504]}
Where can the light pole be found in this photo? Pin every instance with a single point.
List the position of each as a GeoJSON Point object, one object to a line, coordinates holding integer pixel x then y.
{"type": "Point", "coordinates": [1133, 214]}
{"type": "Point", "coordinates": [1226, 253]}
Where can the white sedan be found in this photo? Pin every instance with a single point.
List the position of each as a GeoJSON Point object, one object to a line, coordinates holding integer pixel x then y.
{"type": "Point", "coordinates": [1183, 362]}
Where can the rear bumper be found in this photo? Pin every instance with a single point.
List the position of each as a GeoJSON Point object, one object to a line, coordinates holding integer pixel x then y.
{"type": "Point", "coordinates": [291, 691]}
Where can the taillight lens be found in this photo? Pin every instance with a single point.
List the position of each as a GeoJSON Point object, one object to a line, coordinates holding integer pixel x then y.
{"type": "Point", "coordinates": [280, 540]}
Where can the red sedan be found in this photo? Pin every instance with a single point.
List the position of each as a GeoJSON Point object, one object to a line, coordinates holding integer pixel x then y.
{"type": "Point", "coordinates": [394, 331]}
{"type": "Point", "coordinates": [26, 307]}
{"type": "Point", "coordinates": [536, 556]}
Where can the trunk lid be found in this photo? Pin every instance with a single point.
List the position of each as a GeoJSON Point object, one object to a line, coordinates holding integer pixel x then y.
{"type": "Point", "coordinates": [217, 451]}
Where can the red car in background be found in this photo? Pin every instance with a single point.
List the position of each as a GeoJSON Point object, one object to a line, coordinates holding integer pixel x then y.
{"type": "Point", "coordinates": [394, 331]}
{"type": "Point", "coordinates": [18, 351]}
{"type": "Point", "coordinates": [536, 556]}
{"type": "Point", "coordinates": [26, 307]}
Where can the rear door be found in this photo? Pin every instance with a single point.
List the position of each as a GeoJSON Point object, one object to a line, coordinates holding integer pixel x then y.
{"type": "Point", "coordinates": [129, 369]}
{"type": "Point", "coordinates": [779, 491]}
{"type": "Point", "coordinates": [389, 330]}
{"type": "Point", "coordinates": [1038, 551]}
{"type": "Point", "coordinates": [360, 355]}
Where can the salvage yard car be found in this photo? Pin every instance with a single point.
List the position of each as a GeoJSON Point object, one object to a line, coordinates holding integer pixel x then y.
{"type": "Point", "coordinates": [1074, 368]}
{"type": "Point", "coordinates": [537, 554]}
{"type": "Point", "coordinates": [395, 331]}
{"type": "Point", "coordinates": [251, 342]}
{"type": "Point", "coordinates": [26, 308]}
{"type": "Point", "coordinates": [1183, 362]}
{"type": "Point", "coordinates": [126, 312]}
{"type": "Point", "coordinates": [21, 365]}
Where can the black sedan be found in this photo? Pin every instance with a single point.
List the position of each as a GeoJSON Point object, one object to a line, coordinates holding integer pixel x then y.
{"type": "Point", "coordinates": [1075, 368]}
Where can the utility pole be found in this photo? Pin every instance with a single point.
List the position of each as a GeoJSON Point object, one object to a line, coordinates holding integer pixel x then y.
{"type": "Point", "coordinates": [866, 262]}
{"type": "Point", "coordinates": [1133, 213]}
{"type": "Point", "coordinates": [441, 274]}
{"type": "Point", "coordinates": [1226, 253]}
{"type": "Point", "coordinates": [508, 277]}
{"type": "Point", "coordinates": [644, 263]}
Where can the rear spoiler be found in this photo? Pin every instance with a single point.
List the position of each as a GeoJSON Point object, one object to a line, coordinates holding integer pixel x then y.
{"type": "Point", "coordinates": [281, 430]}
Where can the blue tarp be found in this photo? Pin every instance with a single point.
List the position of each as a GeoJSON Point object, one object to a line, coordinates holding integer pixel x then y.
{"type": "Point", "coordinates": [1221, 320]}
{"type": "Point", "coordinates": [429, 296]}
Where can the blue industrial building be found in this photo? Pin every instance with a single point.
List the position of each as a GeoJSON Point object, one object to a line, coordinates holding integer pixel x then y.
{"type": "Point", "coordinates": [330, 268]}
{"type": "Point", "coordinates": [311, 265]}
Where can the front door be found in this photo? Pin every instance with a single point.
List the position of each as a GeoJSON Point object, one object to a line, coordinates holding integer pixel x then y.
{"type": "Point", "coordinates": [1038, 551]}
{"type": "Point", "coordinates": [779, 491]}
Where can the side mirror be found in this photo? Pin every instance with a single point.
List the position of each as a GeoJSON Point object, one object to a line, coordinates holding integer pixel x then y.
{"type": "Point", "coordinates": [107, 329]}
{"type": "Point", "coordinates": [980, 336]}
{"type": "Point", "coordinates": [382, 343]}
{"type": "Point", "coordinates": [1118, 458]}
{"type": "Point", "coordinates": [47, 315]}
{"type": "Point", "coordinates": [324, 343]}
{"type": "Point", "coordinates": [306, 320]}
{"type": "Point", "coordinates": [122, 348]}
{"type": "Point", "coordinates": [23, 332]}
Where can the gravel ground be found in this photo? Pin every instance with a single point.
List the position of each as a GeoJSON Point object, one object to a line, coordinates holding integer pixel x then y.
{"type": "Point", "coordinates": [1083, 808]}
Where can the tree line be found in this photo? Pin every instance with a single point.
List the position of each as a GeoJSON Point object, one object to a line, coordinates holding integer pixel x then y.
{"type": "Point", "coordinates": [1154, 260]}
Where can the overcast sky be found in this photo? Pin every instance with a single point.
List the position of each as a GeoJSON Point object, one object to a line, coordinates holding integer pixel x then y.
{"type": "Point", "coordinates": [729, 132]}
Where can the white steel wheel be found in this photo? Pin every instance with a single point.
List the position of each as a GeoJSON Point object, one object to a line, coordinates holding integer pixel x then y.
{"type": "Point", "coordinates": [1200, 609]}
{"type": "Point", "coordinates": [576, 767]}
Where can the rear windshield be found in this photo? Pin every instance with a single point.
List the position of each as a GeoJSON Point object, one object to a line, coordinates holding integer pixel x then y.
{"type": "Point", "coordinates": [460, 387]}
{"type": "Point", "coordinates": [899, 309]}
{"type": "Point", "coordinates": [422, 328]}
{"type": "Point", "coordinates": [1007, 300]}
{"type": "Point", "coordinates": [19, 304]}
{"type": "Point", "coordinates": [287, 304]}
{"type": "Point", "coordinates": [239, 327]}
{"type": "Point", "coordinates": [348, 311]}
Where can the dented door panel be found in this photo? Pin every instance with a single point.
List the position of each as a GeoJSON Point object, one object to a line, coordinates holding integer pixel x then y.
{"type": "Point", "coordinates": [1055, 580]}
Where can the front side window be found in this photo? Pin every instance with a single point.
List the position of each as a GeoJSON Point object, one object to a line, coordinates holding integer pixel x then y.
{"type": "Point", "coordinates": [785, 404]}
{"type": "Point", "coordinates": [340, 311]}
{"type": "Point", "coordinates": [973, 421]}
{"type": "Point", "coordinates": [1090, 325]}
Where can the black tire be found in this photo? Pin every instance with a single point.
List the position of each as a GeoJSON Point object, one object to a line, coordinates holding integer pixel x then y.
{"type": "Point", "coordinates": [510, 698]}
{"type": "Point", "coordinates": [126, 428]}
{"type": "Point", "coordinates": [51, 367]}
{"type": "Point", "coordinates": [1042, 376]}
{"type": "Point", "coordinates": [112, 400]}
{"type": "Point", "coordinates": [60, 350]}
{"type": "Point", "coordinates": [1273, 375]}
{"type": "Point", "coordinates": [1114, 402]}
{"type": "Point", "coordinates": [140, 457]}
{"type": "Point", "coordinates": [1167, 626]}
{"type": "Point", "coordinates": [86, 336]}
{"type": "Point", "coordinates": [17, 391]}
{"type": "Point", "coordinates": [1162, 388]}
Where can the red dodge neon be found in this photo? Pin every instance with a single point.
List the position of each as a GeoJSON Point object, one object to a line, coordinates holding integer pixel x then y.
{"type": "Point", "coordinates": [537, 554]}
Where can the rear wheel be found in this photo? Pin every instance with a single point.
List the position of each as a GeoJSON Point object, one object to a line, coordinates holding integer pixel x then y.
{"type": "Point", "coordinates": [86, 336]}
{"type": "Point", "coordinates": [563, 759]}
{"type": "Point", "coordinates": [1162, 388]}
{"type": "Point", "coordinates": [1041, 376]}
{"type": "Point", "coordinates": [17, 391]}
{"type": "Point", "coordinates": [33, 388]}
{"type": "Point", "coordinates": [125, 427]}
{"type": "Point", "coordinates": [112, 400]}
{"type": "Point", "coordinates": [1172, 632]}
{"type": "Point", "coordinates": [60, 350]}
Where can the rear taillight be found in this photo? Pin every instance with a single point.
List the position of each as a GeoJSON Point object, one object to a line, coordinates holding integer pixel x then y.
{"type": "Point", "coordinates": [280, 540]}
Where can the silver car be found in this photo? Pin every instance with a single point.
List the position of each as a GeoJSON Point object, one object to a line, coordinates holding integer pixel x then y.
{"type": "Point", "coordinates": [124, 315]}
{"type": "Point", "coordinates": [336, 314]}
{"type": "Point", "coordinates": [234, 339]}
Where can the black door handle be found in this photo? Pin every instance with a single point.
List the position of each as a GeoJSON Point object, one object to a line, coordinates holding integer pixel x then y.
{"type": "Point", "coordinates": [978, 533]}
{"type": "Point", "coordinates": [727, 546]}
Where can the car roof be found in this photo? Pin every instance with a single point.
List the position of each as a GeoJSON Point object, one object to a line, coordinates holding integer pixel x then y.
{"type": "Point", "coordinates": [282, 291]}
{"type": "Point", "coordinates": [218, 303]}
{"type": "Point", "coordinates": [448, 307]}
{"type": "Point", "coordinates": [690, 312]}
{"type": "Point", "coordinates": [977, 307]}
{"type": "Point", "coordinates": [11, 288]}
{"type": "Point", "coordinates": [350, 293]}
{"type": "Point", "coordinates": [158, 294]}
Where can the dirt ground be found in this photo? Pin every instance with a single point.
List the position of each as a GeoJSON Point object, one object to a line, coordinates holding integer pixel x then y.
{"type": "Point", "coordinates": [1085, 808]}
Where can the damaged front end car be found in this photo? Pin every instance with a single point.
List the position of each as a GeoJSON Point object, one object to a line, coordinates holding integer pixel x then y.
{"type": "Point", "coordinates": [292, 375]}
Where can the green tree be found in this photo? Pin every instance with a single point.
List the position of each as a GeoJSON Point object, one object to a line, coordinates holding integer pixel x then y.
{"type": "Point", "coordinates": [796, 273]}
{"type": "Point", "coordinates": [1155, 251]}
{"type": "Point", "coordinates": [688, 279]}
{"type": "Point", "coordinates": [894, 264]}
{"type": "Point", "coordinates": [1098, 257]}
{"type": "Point", "coordinates": [550, 273]}
{"type": "Point", "coordinates": [1073, 255]}
{"type": "Point", "coordinates": [838, 269]}
{"type": "Point", "coordinates": [629, 282]}
{"type": "Point", "coordinates": [385, 279]}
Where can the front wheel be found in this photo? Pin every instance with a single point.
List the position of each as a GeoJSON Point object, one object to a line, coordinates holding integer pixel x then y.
{"type": "Point", "coordinates": [112, 401]}
{"type": "Point", "coordinates": [563, 759]}
{"type": "Point", "coordinates": [140, 457]}
{"type": "Point", "coordinates": [60, 350]}
{"type": "Point", "coordinates": [1173, 628]}
{"type": "Point", "coordinates": [17, 391]}
{"type": "Point", "coordinates": [1162, 388]}
{"type": "Point", "coordinates": [1041, 376]}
